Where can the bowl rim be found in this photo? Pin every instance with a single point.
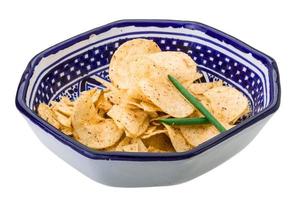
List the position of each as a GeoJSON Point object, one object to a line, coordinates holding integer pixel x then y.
{"type": "Point", "coordinates": [140, 156]}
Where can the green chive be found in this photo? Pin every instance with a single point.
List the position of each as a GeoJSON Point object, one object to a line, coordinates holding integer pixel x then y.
{"type": "Point", "coordinates": [197, 104]}
{"type": "Point", "coordinates": [184, 121]}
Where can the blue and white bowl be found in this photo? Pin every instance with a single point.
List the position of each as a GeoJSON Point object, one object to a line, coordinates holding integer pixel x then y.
{"type": "Point", "coordinates": [69, 67]}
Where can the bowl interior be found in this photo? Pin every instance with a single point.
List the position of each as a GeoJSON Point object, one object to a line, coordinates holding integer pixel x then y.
{"type": "Point", "coordinates": [71, 68]}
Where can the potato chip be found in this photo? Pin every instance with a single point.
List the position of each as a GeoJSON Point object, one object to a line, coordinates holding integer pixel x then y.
{"type": "Point", "coordinates": [62, 108]}
{"type": "Point", "coordinates": [160, 117]}
{"type": "Point", "coordinates": [150, 134]}
{"type": "Point", "coordinates": [141, 66]}
{"type": "Point", "coordinates": [108, 85]}
{"type": "Point", "coordinates": [244, 114]}
{"type": "Point", "coordinates": [137, 94]}
{"type": "Point", "coordinates": [178, 141]}
{"type": "Point", "coordinates": [67, 101]}
{"type": "Point", "coordinates": [159, 141]}
{"type": "Point", "coordinates": [110, 149]}
{"type": "Point", "coordinates": [125, 141]}
{"type": "Point", "coordinates": [156, 150]}
{"type": "Point", "coordinates": [141, 130]}
{"type": "Point", "coordinates": [187, 84]}
{"type": "Point", "coordinates": [198, 134]}
{"type": "Point", "coordinates": [119, 68]}
{"type": "Point", "coordinates": [141, 145]}
{"type": "Point", "coordinates": [66, 130]}
{"type": "Point", "coordinates": [165, 96]}
{"type": "Point", "coordinates": [152, 114]}
{"type": "Point", "coordinates": [149, 107]}
{"type": "Point", "coordinates": [103, 103]}
{"type": "Point", "coordinates": [200, 88]}
{"type": "Point", "coordinates": [96, 96]}
{"type": "Point", "coordinates": [62, 119]}
{"type": "Point", "coordinates": [85, 111]}
{"type": "Point", "coordinates": [115, 96]}
{"type": "Point", "coordinates": [47, 114]}
{"type": "Point", "coordinates": [146, 106]}
{"type": "Point", "coordinates": [134, 121]}
{"type": "Point", "coordinates": [131, 148]}
{"type": "Point", "coordinates": [100, 135]}
{"type": "Point", "coordinates": [152, 149]}
{"type": "Point", "coordinates": [133, 103]}
{"type": "Point", "coordinates": [177, 64]}
{"type": "Point", "coordinates": [150, 129]}
{"type": "Point", "coordinates": [131, 145]}
{"type": "Point", "coordinates": [227, 103]}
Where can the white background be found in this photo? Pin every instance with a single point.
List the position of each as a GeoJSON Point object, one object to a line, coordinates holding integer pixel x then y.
{"type": "Point", "coordinates": [268, 168]}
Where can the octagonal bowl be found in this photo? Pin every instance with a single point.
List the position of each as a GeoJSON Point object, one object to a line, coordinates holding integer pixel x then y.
{"type": "Point", "coordinates": [69, 67]}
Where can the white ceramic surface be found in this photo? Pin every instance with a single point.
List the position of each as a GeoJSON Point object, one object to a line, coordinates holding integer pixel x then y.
{"type": "Point", "coordinates": [149, 173]}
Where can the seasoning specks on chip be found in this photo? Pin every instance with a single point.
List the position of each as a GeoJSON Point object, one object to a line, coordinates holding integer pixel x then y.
{"type": "Point", "coordinates": [165, 96]}
{"type": "Point", "coordinates": [227, 103]}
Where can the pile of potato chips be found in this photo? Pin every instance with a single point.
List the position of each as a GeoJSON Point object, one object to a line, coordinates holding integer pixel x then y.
{"type": "Point", "coordinates": [124, 116]}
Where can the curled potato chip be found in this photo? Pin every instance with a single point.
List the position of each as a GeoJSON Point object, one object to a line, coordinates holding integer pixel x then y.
{"type": "Point", "coordinates": [146, 106]}
{"type": "Point", "coordinates": [177, 64]}
{"type": "Point", "coordinates": [160, 117]}
{"type": "Point", "coordinates": [150, 129]}
{"type": "Point", "coordinates": [62, 108]}
{"type": "Point", "coordinates": [62, 119]}
{"type": "Point", "coordinates": [160, 142]}
{"type": "Point", "coordinates": [119, 68]}
{"type": "Point", "coordinates": [142, 128]}
{"type": "Point", "coordinates": [115, 96]}
{"type": "Point", "coordinates": [165, 96]}
{"type": "Point", "coordinates": [67, 101]}
{"type": "Point", "coordinates": [111, 93]}
{"type": "Point", "coordinates": [152, 133]}
{"type": "Point", "coordinates": [178, 141]}
{"type": "Point", "coordinates": [134, 104]}
{"type": "Point", "coordinates": [47, 114]}
{"type": "Point", "coordinates": [66, 130]}
{"type": "Point", "coordinates": [85, 111]}
{"type": "Point", "coordinates": [136, 93]}
{"type": "Point", "coordinates": [227, 103]}
{"type": "Point", "coordinates": [141, 145]}
{"type": "Point", "coordinates": [200, 88]}
{"type": "Point", "coordinates": [149, 107]}
{"type": "Point", "coordinates": [131, 147]}
{"type": "Point", "coordinates": [153, 114]}
{"type": "Point", "coordinates": [110, 149]}
{"type": "Point", "coordinates": [198, 134]}
{"type": "Point", "coordinates": [103, 103]}
{"type": "Point", "coordinates": [96, 96]}
{"type": "Point", "coordinates": [156, 150]}
{"type": "Point", "coordinates": [100, 135]}
{"type": "Point", "coordinates": [108, 85]}
{"type": "Point", "coordinates": [125, 141]}
{"type": "Point", "coordinates": [134, 121]}
{"type": "Point", "coordinates": [140, 67]}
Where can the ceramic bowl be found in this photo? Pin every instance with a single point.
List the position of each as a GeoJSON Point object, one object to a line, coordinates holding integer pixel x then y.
{"type": "Point", "coordinates": [68, 68]}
